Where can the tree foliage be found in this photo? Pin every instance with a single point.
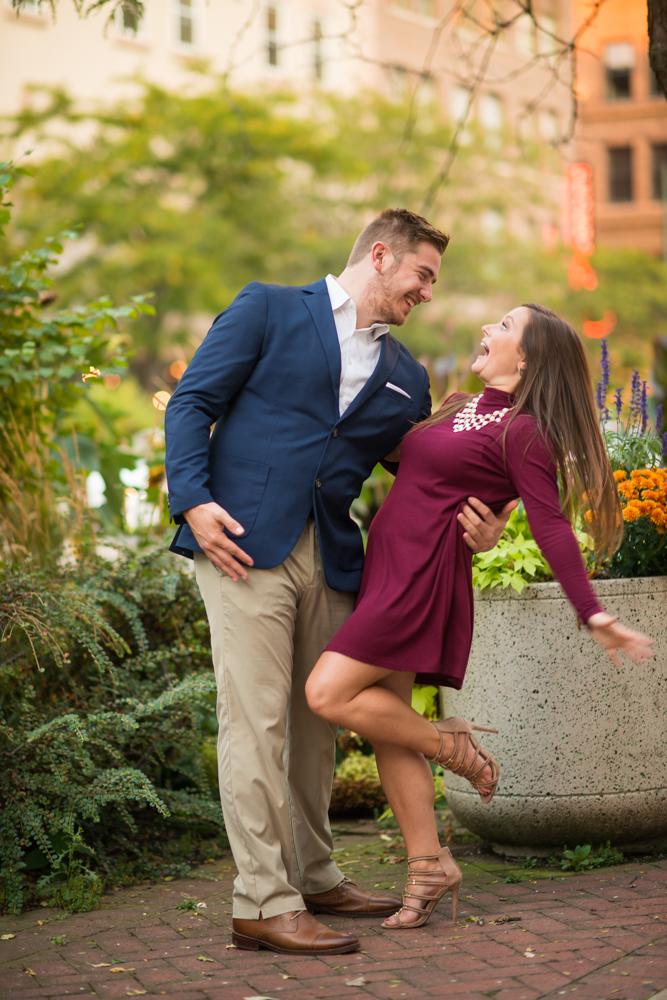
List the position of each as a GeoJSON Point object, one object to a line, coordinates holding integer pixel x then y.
{"type": "Point", "coordinates": [191, 195]}
{"type": "Point", "coordinates": [47, 358]}
{"type": "Point", "coordinates": [106, 704]}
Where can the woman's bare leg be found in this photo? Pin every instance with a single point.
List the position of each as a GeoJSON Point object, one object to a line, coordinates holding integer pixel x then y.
{"type": "Point", "coordinates": [351, 694]}
{"type": "Point", "coordinates": [376, 703]}
{"type": "Point", "coordinates": [408, 784]}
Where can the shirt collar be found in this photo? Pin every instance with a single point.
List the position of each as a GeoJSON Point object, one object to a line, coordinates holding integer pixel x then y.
{"type": "Point", "coordinates": [339, 298]}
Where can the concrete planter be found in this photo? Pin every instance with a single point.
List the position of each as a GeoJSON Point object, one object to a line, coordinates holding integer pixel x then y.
{"type": "Point", "coordinates": [582, 745]}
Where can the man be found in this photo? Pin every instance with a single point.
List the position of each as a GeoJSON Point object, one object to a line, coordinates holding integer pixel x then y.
{"type": "Point", "coordinates": [308, 391]}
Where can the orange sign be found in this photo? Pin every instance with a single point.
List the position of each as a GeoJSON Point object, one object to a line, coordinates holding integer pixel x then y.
{"type": "Point", "coordinates": [582, 208]}
{"type": "Point", "coordinates": [580, 274]}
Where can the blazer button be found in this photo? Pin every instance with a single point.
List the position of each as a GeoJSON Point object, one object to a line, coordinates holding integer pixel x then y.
{"type": "Point", "coordinates": [318, 483]}
{"type": "Point", "coordinates": [334, 432]}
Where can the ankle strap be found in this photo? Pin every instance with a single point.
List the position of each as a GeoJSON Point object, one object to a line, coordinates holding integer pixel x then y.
{"type": "Point", "coordinates": [425, 857]}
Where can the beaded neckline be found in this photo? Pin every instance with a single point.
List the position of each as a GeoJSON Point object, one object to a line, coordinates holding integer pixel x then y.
{"type": "Point", "coordinates": [469, 419]}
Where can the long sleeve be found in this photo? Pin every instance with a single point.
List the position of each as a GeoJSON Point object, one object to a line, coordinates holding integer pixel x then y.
{"type": "Point", "coordinates": [533, 472]}
{"type": "Point", "coordinates": [220, 367]}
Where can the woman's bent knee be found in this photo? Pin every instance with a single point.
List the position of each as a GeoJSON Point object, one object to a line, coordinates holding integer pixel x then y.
{"type": "Point", "coordinates": [319, 697]}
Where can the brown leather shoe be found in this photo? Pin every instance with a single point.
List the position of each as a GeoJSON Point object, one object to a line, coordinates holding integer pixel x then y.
{"type": "Point", "coordinates": [291, 934]}
{"type": "Point", "coordinates": [349, 900]}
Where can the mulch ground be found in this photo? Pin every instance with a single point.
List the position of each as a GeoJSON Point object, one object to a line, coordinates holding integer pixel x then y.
{"type": "Point", "coordinates": [601, 935]}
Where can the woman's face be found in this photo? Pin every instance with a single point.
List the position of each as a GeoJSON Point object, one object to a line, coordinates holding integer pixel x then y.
{"type": "Point", "coordinates": [501, 359]}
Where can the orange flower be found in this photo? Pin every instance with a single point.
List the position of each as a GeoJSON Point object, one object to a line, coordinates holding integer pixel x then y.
{"type": "Point", "coordinates": [644, 494]}
{"type": "Point", "coordinates": [627, 490]}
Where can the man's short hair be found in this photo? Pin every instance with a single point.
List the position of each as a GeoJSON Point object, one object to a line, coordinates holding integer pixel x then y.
{"type": "Point", "coordinates": [401, 230]}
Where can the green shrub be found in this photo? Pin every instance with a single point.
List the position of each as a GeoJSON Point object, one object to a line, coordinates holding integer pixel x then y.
{"type": "Point", "coordinates": [576, 860]}
{"type": "Point", "coordinates": [583, 858]}
{"type": "Point", "coordinates": [186, 904]}
{"type": "Point", "coordinates": [515, 561]}
{"type": "Point", "coordinates": [356, 785]}
{"type": "Point", "coordinates": [106, 701]}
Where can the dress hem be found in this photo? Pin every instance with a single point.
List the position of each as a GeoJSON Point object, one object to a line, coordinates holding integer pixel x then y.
{"type": "Point", "coordinates": [433, 678]}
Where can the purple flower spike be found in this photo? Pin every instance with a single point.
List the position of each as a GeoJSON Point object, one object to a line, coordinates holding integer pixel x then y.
{"type": "Point", "coordinates": [605, 367]}
{"type": "Point", "coordinates": [664, 447]}
{"type": "Point", "coordinates": [618, 402]}
{"type": "Point", "coordinates": [658, 419]}
{"type": "Point", "coordinates": [644, 407]}
{"type": "Point", "coordinates": [635, 395]}
{"type": "Point", "coordinates": [600, 397]}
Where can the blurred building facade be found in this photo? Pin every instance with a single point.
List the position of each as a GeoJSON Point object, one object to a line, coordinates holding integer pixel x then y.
{"type": "Point", "coordinates": [392, 45]}
{"type": "Point", "coordinates": [96, 58]}
{"type": "Point", "coordinates": [508, 87]}
{"type": "Point", "coordinates": [622, 126]}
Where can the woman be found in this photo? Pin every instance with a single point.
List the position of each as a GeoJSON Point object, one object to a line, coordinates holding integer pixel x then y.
{"type": "Point", "coordinates": [413, 618]}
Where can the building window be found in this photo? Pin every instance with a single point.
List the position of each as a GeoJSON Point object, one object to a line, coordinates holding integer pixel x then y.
{"type": "Point", "coordinates": [525, 39]}
{"type": "Point", "coordinates": [619, 62]}
{"type": "Point", "coordinates": [130, 24]}
{"type": "Point", "coordinates": [399, 83]}
{"type": "Point", "coordinates": [130, 18]}
{"type": "Point", "coordinates": [490, 112]}
{"type": "Point", "coordinates": [544, 35]}
{"type": "Point", "coordinates": [31, 8]}
{"type": "Point", "coordinates": [272, 36]}
{"type": "Point", "coordinates": [318, 54]}
{"type": "Point", "coordinates": [459, 99]}
{"type": "Point", "coordinates": [186, 33]}
{"type": "Point", "coordinates": [547, 125]}
{"type": "Point", "coordinates": [620, 174]}
{"type": "Point", "coordinates": [659, 171]}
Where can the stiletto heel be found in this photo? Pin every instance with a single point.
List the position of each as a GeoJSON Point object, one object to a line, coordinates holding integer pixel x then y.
{"type": "Point", "coordinates": [453, 879]}
{"type": "Point", "coordinates": [455, 900]}
{"type": "Point", "coordinates": [456, 763]}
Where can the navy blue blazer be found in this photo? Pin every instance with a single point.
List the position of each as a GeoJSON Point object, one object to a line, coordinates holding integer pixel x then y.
{"type": "Point", "coordinates": [267, 375]}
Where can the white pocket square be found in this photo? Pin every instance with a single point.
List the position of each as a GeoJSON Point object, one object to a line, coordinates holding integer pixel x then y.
{"type": "Point", "coordinates": [397, 388]}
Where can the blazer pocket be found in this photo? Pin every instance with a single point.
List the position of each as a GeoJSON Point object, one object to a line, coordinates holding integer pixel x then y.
{"type": "Point", "coordinates": [395, 394]}
{"type": "Point", "coordinates": [239, 487]}
{"type": "Point", "coordinates": [397, 388]}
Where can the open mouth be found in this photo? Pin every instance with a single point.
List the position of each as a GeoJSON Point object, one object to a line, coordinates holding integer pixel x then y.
{"type": "Point", "coordinates": [411, 302]}
{"type": "Point", "coordinates": [485, 349]}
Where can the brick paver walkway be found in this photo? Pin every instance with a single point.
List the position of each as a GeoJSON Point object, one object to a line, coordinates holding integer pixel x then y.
{"type": "Point", "coordinates": [601, 935]}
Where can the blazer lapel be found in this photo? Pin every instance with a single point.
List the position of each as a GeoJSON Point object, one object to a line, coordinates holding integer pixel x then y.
{"type": "Point", "coordinates": [317, 301]}
{"type": "Point", "coordinates": [389, 353]}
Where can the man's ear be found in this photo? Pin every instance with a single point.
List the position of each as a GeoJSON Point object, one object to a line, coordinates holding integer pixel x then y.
{"type": "Point", "coordinates": [381, 255]}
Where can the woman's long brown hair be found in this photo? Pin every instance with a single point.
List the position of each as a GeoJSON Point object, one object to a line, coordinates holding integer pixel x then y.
{"type": "Point", "coordinates": [557, 391]}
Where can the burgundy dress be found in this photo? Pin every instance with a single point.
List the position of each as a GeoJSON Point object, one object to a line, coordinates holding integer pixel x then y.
{"type": "Point", "coordinates": [414, 611]}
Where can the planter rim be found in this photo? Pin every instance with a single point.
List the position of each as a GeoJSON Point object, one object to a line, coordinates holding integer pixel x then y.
{"type": "Point", "coordinates": [553, 591]}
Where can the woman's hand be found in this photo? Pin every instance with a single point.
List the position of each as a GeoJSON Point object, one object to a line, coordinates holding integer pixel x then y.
{"type": "Point", "coordinates": [606, 630]}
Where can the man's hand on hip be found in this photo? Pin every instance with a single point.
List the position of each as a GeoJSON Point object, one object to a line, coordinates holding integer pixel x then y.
{"type": "Point", "coordinates": [482, 527]}
{"type": "Point", "coordinates": [208, 521]}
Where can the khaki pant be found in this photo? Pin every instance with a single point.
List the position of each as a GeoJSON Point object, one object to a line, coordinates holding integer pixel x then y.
{"type": "Point", "coordinates": [275, 758]}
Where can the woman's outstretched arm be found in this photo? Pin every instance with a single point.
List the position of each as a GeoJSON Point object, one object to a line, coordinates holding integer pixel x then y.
{"type": "Point", "coordinates": [532, 469]}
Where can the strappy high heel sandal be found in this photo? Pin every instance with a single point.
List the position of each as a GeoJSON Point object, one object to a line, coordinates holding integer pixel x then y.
{"type": "Point", "coordinates": [429, 878]}
{"type": "Point", "coordinates": [456, 763]}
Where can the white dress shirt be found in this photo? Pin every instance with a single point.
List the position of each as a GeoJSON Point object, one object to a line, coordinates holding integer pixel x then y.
{"type": "Point", "coordinates": [359, 349]}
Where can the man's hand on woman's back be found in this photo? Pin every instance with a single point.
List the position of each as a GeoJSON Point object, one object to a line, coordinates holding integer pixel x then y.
{"type": "Point", "coordinates": [482, 527]}
{"type": "Point", "coordinates": [208, 522]}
